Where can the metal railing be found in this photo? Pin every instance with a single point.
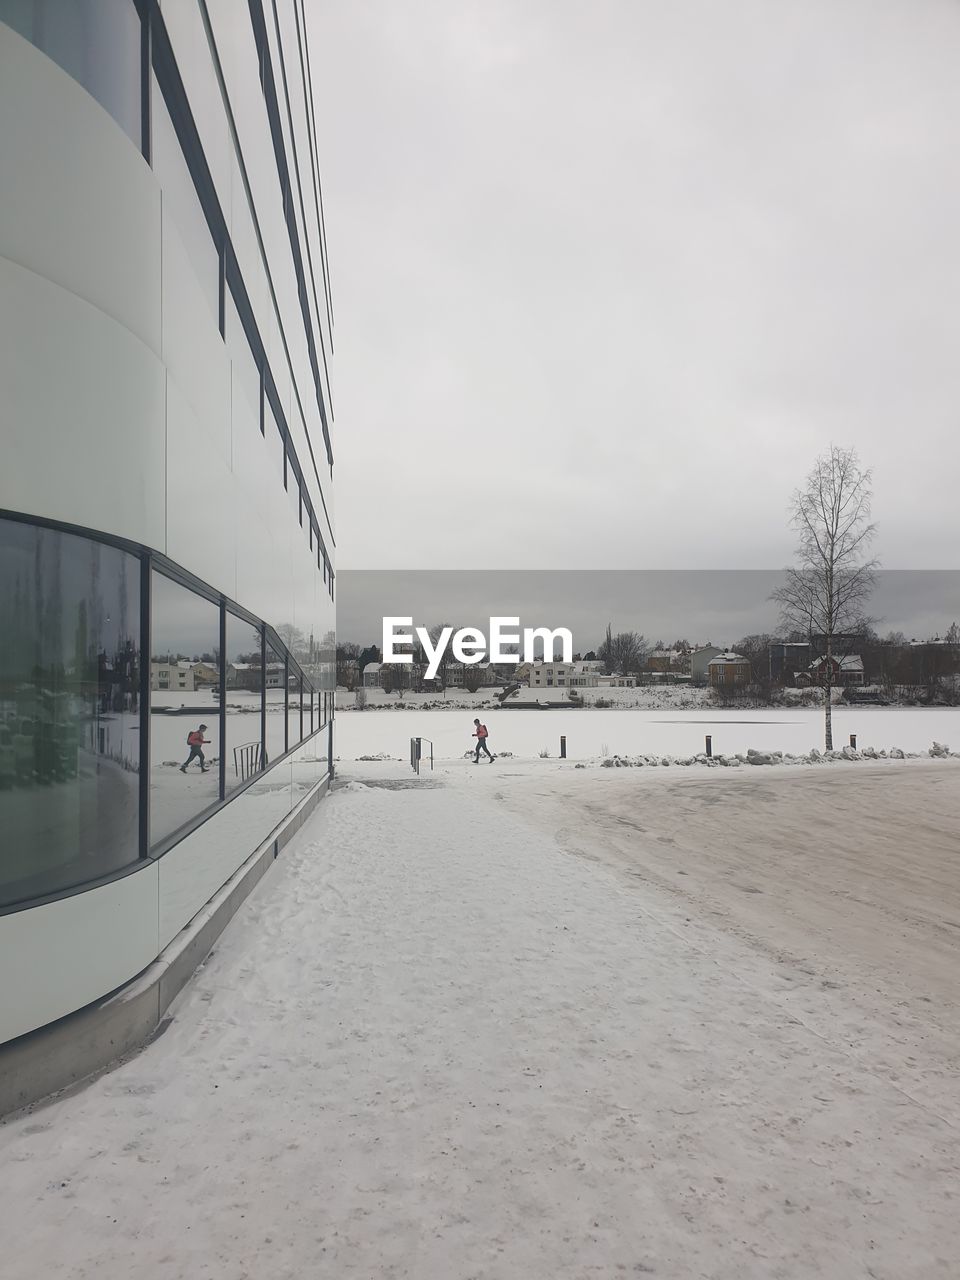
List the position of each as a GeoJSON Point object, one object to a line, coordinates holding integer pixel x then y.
{"type": "Point", "coordinates": [246, 760]}
{"type": "Point", "coordinates": [416, 753]}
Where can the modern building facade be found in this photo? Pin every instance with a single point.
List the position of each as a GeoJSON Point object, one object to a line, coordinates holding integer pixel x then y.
{"type": "Point", "coordinates": [166, 494]}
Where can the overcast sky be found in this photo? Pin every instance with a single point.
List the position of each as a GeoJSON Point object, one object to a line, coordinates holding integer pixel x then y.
{"type": "Point", "coordinates": [607, 276]}
{"type": "Point", "coordinates": [720, 606]}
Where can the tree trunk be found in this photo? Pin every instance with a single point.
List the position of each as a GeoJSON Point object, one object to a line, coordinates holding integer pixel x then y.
{"type": "Point", "coordinates": [828, 699]}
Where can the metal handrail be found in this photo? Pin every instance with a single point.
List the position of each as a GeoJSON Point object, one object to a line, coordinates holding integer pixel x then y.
{"type": "Point", "coordinates": [246, 760]}
{"type": "Point", "coordinates": [416, 753]}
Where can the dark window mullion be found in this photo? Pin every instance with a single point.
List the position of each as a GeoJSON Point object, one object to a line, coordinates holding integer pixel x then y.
{"type": "Point", "coordinates": [264, 761]}
{"type": "Point", "coordinates": [145, 651]}
{"type": "Point", "coordinates": [223, 293]}
{"type": "Point", "coordinates": [286, 701]}
{"type": "Point", "coordinates": [146, 62]}
{"type": "Point", "coordinates": [223, 699]}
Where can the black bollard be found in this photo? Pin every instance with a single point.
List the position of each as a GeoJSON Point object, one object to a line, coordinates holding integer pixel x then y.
{"type": "Point", "coordinates": [563, 747]}
{"type": "Point", "coordinates": [709, 745]}
{"type": "Point", "coordinates": [853, 741]}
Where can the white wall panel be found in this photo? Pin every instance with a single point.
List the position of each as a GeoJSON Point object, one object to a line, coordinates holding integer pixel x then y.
{"type": "Point", "coordinates": [246, 246]}
{"type": "Point", "coordinates": [193, 870]}
{"type": "Point", "coordinates": [201, 525]}
{"type": "Point", "coordinates": [193, 350]}
{"type": "Point", "coordinates": [73, 951]}
{"type": "Point", "coordinates": [237, 53]}
{"type": "Point", "coordinates": [188, 39]}
{"type": "Point", "coordinates": [81, 413]}
{"type": "Point", "coordinates": [309, 227]}
{"type": "Point", "coordinates": [67, 153]}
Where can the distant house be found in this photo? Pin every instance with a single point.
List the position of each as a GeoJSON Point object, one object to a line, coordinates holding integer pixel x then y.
{"type": "Point", "coordinates": [669, 660]}
{"type": "Point", "coordinates": [727, 670]}
{"type": "Point", "coordinates": [847, 671]}
{"type": "Point", "coordinates": [276, 675]}
{"type": "Point", "coordinates": [786, 658]}
{"type": "Point", "coordinates": [564, 675]}
{"type": "Point", "coordinates": [700, 660]}
{"type": "Point", "coordinates": [249, 676]}
{"type": "Point", "coordinates": [371, 675]}
{"type": "Point", "coordinates": [244, 675]}
{"type": "Point", "coordinates": [457, 674]}
{"type": "Point", "coordinates": [617, 681]}
{"type": "Point", "coordinates": [204, 675]}
{"type": "Point", "coordinates": [176, 676]}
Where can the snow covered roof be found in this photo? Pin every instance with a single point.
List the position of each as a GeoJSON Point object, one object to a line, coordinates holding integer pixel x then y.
{"type": "Point", "coordinates": [851, 662]}
{"type": "Point", "coordinates": [724, 659]}
{"type": "Point", "coordinates": [372, 666]}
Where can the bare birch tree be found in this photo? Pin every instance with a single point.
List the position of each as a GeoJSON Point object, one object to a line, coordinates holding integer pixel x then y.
{"type": "Point", "coordinates": [825, 592]}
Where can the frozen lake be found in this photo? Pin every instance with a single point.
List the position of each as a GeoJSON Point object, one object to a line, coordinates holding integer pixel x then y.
{"type": "Point", "coordinates": [591, 733]}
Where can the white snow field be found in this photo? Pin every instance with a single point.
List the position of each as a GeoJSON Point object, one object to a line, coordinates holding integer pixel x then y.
{"type": "Point", "coordinates": [628, 731]}
{"type": "Point", "coordinates": [522, 1021]}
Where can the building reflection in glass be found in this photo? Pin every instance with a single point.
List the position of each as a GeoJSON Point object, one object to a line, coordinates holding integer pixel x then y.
{"type": "Point", "coordinates": [69, 710]}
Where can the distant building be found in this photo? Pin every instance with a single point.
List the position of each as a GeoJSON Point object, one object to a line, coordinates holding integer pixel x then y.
{"type": "Point", "coordinates": [205, 674]}
{"type": "Point", "coordinates": [174, 676]}
{"type": "Point", "coordinates": [700, 660]}
{"type": "Point", "coordinates": [667, 660]}
{"type": "Point", "coordinates": [787, 657]}
{"type": "Point", "coordinates": [728, 670]}
{"type": "Point", "coordinates": [847, 670]}
{"type": "Point", "coordinates": [457, 674]}
{"type": "Point", "coordinates": [249, 676]}
{"type": "Point", "coordinates": [563, 675]}
{"type": "Point", "coordinates": [371, 675]}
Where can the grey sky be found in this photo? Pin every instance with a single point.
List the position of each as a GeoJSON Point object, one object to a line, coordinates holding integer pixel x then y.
{"type": "Point", "coordinates": [720, 606]}
{"type": "Point", "coordinates": [609, 275]}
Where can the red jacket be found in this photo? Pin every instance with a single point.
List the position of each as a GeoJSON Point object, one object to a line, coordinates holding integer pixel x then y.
{"type": "Point", "coordinates": [195, 739]}
{"type": "Point", "coordinates": [480, 731]}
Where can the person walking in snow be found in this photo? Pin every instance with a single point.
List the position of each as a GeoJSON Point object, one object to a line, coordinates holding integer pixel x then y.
{"type": "Point", "coordinates": [480, 733]}
{"type": "Point", "coordinates": [196, 742]}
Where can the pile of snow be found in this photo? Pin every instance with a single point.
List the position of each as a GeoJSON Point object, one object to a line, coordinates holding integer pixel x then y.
{"type": "Point", "coordinates": [381, 755]}
{"type": "Point", "coordinates": [939, 751]}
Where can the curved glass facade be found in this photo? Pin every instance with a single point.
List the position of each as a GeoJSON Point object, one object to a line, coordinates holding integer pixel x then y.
{"type": "Point", "coordinates": [97, 42]}
{"type": "Point", "coordinates": [70, 689]}
{"type": "Point", "coordinates": [82, 707]}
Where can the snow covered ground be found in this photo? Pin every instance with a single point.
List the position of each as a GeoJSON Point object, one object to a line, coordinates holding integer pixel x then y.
{"type": "Point", "coordinates": [634, 732]}
{"type": "Point", "coordinates": [650, 697]}
{"type": "Point", "coordinates": [523, 1021]}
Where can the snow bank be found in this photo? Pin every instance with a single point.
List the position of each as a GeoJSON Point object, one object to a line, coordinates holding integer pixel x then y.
{"type": "Point", "coordinates": [939, 751]}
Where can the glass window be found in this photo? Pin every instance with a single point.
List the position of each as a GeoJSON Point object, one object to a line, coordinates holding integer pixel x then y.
{"type": "Point", "coordinates": [182, 204]}
{"type": "Point", "coordinates": [69, 710]}
{"type": "Point", "coordinates": [97, 42]}
{"type": "Point", "coordinates": [243, 702]}
{"type": "Point", "coordinates": [276, 700]}
{"type": "Point", "coordinates": [184, 706]}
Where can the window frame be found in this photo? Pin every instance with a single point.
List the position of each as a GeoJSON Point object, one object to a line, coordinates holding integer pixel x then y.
{"type": "Point", "coordinates": [150, 561]}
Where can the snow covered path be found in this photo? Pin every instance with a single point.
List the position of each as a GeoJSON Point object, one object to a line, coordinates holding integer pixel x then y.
{"type": "Point", "coordinates": [436, 1044]}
